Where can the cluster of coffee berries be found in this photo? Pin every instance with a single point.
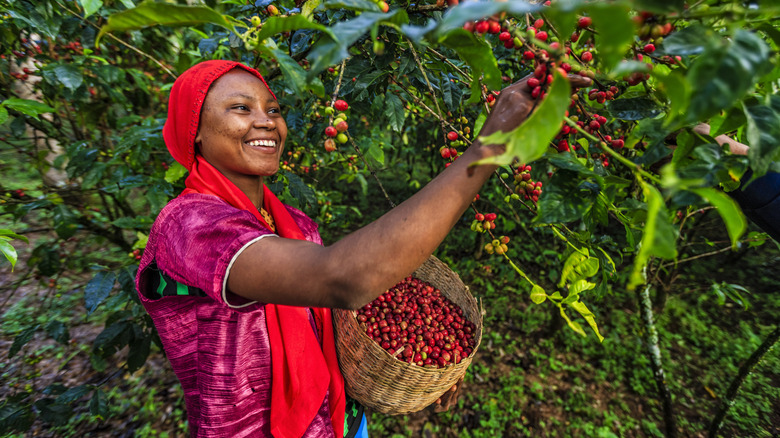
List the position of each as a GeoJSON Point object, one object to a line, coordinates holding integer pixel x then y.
{"type": "Point", "coordinates": [525, 185]}
{"type": "Point", "coordinates": [416, 323]}
{"type": "Point", "coordinates": [135, 254]}
{"type": "Point", "coordinates": [602, 96]}
{"type": "Point", "coordinates": [483, 222]}
{"type": "Point", "coordinates": [338, 128]}
{"type": "Point", "coordinates": [497, 246]}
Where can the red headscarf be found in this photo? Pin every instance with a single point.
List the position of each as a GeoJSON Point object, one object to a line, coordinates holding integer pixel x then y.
{"type": "Point", "coordinates": [301, 371]}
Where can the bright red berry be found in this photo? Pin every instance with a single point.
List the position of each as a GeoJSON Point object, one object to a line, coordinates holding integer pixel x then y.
{"type": "Point", "coordinates": [587, 56]}
{"type": "Point", "coordinates": [584, 22]}
{"type": "Point", "coordinates": [482, 27]}
{"type": "Point", "coordinates": [649, 48]}
{"type": "Point", "coordinates": [340, 105]}
{"type": "Point", "coordinates": [504, 36]}
{"type": "Point", "coordinates": [538, 23]}
{"type": "Point", "coordinates": [331, 131]}
{"type": "Point", "coordinates": [452, 136]}
{"type": "Point", "coordinates": [494, 27]}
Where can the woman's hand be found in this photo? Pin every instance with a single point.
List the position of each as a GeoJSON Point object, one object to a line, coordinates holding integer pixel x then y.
{"type": "Point", "coordinates": [514, 105]}
{"type": "Point", "coordinates": [449, 398]}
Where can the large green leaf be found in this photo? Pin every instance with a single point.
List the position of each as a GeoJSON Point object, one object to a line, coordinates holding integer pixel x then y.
{"type": "Point", "coordinates": [729, 211]}
{"type": "Point", "coordinates": [763, 135]}
{"type": "Point", "coordinates": [352, 5]}
{"type": "Point", "coordinates": [150, 13]}
{"type": "Point", "coordinates": [531, 139]}
{"type": "Point", "coordinates": [277, 25]}
{"type": "Point", "coordinates": [565, 198]}
{"type": "Point", "coordinates": [394, 111]}
{"type": "Point", "coordinates": [722, 75]}
{"type": "Point", "coordinates": [615, 31]}
{"type": "Point", "coordinates": [27, 107]}
{"type": "Point", "coordinates": [331, 50]}
{"type": "Point", "coordinates": [583, 310]}
{"type": "Point", "coordinates": [21, 339]}
{"type": "Point", "coordinates": [8, 251]}
{"type": "Point", "coordinates": [691, 40]}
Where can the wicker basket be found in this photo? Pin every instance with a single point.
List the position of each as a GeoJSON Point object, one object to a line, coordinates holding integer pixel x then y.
{"type": "Point", "coordinates": [386, 384]}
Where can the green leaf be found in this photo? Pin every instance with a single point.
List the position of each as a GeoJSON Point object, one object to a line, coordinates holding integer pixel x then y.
{"type": "Point", "coordinates": [139, 351]}
{"type": "Point", "coordinates": [58, 331]}
{"type": "Point", "coordinates": [538, 295]}
{"type": "Point", "coordinates": [722, 75]}
{"type": "Point", "coordinates": [277, 25]}
{"type": "Point", "coordinates": [3, 114]}
{"type": "Point", "coordinates": [9, 252]}
{"type": "Point", "coordinates": [307, 10]}
{"type": "Point", "coordinates": [98, 406]}
{"type": "Point", "coordinates": [567, 272]}
{"type": "Point", "coordinates": [729, 211]}
{"type": "Point", "coordinates": [763, 132]}
{"type": "Point", "coordinates": [394, 111]}
{"type": "Point", "coordinates": [73, 394]}
{"type": "Point", "coordinates": [331, 50]}
{"type": "Point", "coordinates": [27, 107]}
{"type": "Point", "coordinates": [16, 417]}
{"type": "Point", "coordinates": [52, 412]}
{"type": "Point", "coordinates": [21, 339]}
{"type": "Point", "coordinates": [295, 76]}
{"type": "Point", "coordinates": [90, 6]}
{"type": "Point", "coordinates": [376, 153]}
{"type": "Point", "coordinates": [67, 75]}
{"type": "Point", "coordinates": [150, 13]}
{"type": "Point", "coordinates": [175, 172]}
{"type": "Point", "coordinates": [615, 31]}
{"type": "Point", "coordinates": [583, 310]}
{"type": "Point", "coordinates": [633, 109]}
{"type": "Point", "coordinates": [572, 324]}
{"type": "Point", "coordinates": [65, 223]}
{"type": "Point", "coordinates": [477, 53]}
{"type": "Point", "coordinates": [112, 338]}
{"type": "Point", "coordinates": [98, 289]}
{"type": "Point", "coordinates": [352, 5]}
{"type": "Point", "coordinates": [691, 40]}
{"type": "Point", "coordinates": [566, 198]}
{"type": "Point", "coordinates": [531, 139]}
{"type": "Point", "coordinates": [580, 286]}
{"type": "Point", "coordinates": [658, 237]}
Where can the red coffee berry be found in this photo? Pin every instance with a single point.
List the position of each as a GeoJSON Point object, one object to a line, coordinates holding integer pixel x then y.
{"type": "Point", "coordinates": [649, 48]}
{"type": "Point", "coordinates": [340, 105]}
{"type": "Point", "coordinates": [494, 27]}
{"type": "Point", "coordinates": [539, 23]}
{"type": "Point", "coordinates": [452, 136]}
{"type": "Point", "coordinates": [586, 56]}
{"type": "Point", "coordinates": [481, 26]}
{"type": "Point", "coordinates": [505, 36]}
{"type": "Point", "coordinates": [331, 131]}
{"type": "Point", "coordinates": [584, 22]}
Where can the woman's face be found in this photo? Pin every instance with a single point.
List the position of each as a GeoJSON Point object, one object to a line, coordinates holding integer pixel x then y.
{"type": "Point", "coordinates": [241, 130]}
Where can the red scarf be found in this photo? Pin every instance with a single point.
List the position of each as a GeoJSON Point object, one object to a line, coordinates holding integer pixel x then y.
{"type": "Point", "coordinates": [302, 371]}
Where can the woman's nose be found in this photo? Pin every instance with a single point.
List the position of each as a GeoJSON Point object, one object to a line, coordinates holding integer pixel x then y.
{"type": "Point", "coordinates": [263, 120]}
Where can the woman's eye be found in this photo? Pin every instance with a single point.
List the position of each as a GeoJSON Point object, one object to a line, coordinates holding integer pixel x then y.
{"type": "Point", "coordinates": [241, 107]}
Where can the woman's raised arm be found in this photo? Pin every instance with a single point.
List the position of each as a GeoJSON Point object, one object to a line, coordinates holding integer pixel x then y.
{"type": "Point", "coordinates": [363, 264]}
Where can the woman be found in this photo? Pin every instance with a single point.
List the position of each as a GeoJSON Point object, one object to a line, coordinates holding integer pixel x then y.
{"type": "Point", "coordinates": [239, 285]}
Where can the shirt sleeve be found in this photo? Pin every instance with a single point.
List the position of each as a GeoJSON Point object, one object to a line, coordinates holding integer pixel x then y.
{"type": "Point", "coordinates": [197, 241]}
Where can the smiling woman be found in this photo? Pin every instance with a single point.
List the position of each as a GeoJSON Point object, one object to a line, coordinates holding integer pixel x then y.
{"type": "Point", "coordinates": [240, 286]}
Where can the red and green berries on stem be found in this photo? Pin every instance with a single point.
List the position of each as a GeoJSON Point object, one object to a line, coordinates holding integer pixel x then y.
{"type": "Point", "coordinates": [484, 222]}
{"type": "Point", "coordinates": [497, 246]}
{"type": "Point", "coordinates": [525, 186]}
{"type": "Point", "coordinates": [414, 322]}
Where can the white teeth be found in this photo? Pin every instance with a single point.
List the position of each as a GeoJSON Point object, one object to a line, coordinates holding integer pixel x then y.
{"type": "Point", "coordinates": [268, 143]}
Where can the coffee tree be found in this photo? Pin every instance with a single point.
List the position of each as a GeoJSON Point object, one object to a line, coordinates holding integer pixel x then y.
{"type": "Point", "coordinates": [379, 98]}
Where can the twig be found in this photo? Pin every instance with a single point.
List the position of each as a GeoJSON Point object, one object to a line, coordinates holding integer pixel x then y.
{"type": "Point", "coordinates": [744, 371]}
{"type": "Point", "coordinates": [654, 352]}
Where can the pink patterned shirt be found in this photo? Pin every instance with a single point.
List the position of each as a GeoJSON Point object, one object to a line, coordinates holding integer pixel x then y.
{"type": "Point", "coordinates": [217, 344]}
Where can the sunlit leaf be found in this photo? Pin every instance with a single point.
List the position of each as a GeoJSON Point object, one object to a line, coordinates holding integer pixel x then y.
{"type": "Point", "coordinates": [28, 107]}
{"type": "Point", "coordinates": [729, 211]}
{"type": "Point", "coordinates": [583, 310]}
{"type": "Point", "coordinates": [90, 6]}
{"type": "Point", "coordinates": [150, 13]}
{"type": "Point", "coordinates": [538, 296]}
